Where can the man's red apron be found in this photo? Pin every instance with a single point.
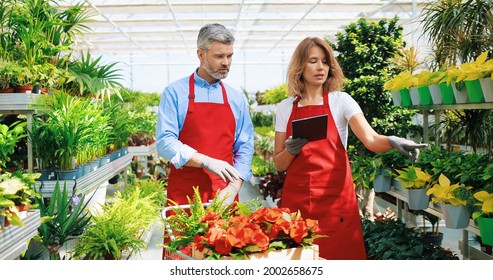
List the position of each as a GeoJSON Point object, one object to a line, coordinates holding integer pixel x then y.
{"type": "Point", "coordinates": [210, 129]}
{"type": "Point", "coordinates": [319, 184]}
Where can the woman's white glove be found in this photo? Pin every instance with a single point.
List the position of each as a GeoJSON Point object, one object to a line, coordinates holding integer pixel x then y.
{"type": "Point", "coordinates": [220, 168]}
{"type": "Point", "coordinates": [406, 147]}
{"type": "Point", "coordinates": [294, 145]}
{"type": "Point", "coordinates": [228, 194]}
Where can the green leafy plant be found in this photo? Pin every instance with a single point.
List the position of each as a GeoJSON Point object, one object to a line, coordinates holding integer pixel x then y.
{"type": "Point", "coordinates": [10, 135]}
{"type": "Point", "coordinates": [275, 94]}
{"type": "Point", "coordinates": [63, 218]}
{"type": "Point", "coordinates": [154, 189]}
{"type": "Point", "coordinates": [260, 167]}
{"type": "Point", "coordinates": [390, 239]}
{"type": "Point", "coordinates": [118, 227]}
{"type": "Point", "coordinates": [365, 169]}
{"type": "Point", "coordinates": [91, 77]}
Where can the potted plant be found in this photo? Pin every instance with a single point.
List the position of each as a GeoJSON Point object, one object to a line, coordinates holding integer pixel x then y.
{"type": "Point", "coordinates": [476, 76]}
{"type": "Point", "coordinates": [484, 215]}
{"type": "Point", "coordinates": [119, 227]}
{"type": "Point", "coordinates": [453, 199]}
{"type": "Point", "coordinates": [17, 195]}
{"type": "Point", "coordinates": [63, 219]}
{"type": "Point", "coordinates": [417, 182]}
{"type": "Point", "coordinates": [402, 83]}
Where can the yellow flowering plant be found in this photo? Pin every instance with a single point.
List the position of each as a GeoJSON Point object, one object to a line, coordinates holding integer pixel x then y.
{"type": "Point", "coordinates": [445, 192]}
{"type": "Point", "coordinates": [413, 177]}
{"type": "Point", "coordinates": [485, 202]}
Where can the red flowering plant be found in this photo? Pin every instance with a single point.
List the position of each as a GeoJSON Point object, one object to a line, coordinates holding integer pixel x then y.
{"type": "Point", "coordinates": [240, 230]}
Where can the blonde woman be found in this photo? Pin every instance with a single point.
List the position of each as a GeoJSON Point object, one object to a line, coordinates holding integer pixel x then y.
{"type": "Point", "coordinates": [318, 176]}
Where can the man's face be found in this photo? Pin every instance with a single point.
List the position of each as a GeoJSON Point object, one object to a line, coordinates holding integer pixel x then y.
{"type": "Point", "coordinates": [216, 60]}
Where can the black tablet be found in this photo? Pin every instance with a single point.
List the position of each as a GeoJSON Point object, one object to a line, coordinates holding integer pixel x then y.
{"type": "Point", "coordinates": [312, 128]}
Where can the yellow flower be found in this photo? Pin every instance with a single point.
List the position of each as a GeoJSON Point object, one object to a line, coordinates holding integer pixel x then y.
{"type": "Point", "coordinates": [486, 201]}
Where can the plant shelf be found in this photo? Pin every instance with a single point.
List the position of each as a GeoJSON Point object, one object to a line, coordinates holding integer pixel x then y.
{"type": "Point", "coordinates": [14, 239]}
{"type": "Point", "coordinates": [473, 253]}
{"type": "Point", "coordinates": [142, 150]}
{"type": "Point", "coordinates": [460, 106]}
{"type": "Point", "coordinates": [90, 181]}
{"type": "Point", "coordinates": [21, 103]}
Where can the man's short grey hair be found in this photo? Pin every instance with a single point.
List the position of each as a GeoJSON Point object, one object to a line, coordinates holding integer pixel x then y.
{"type": "Point", "coordinates": [214, 32]}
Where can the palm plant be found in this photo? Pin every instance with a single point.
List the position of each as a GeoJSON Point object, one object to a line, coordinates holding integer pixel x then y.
{"type": "Point", "coordinates": [91, 77]}
{"type": "Point", "coordinates": [458, 30]}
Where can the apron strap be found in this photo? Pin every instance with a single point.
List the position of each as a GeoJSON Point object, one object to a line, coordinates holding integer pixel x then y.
{"type": "Point", "coordinates": [191, 94]}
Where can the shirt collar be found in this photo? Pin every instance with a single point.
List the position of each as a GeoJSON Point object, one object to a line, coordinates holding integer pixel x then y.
{"type": "Point", "coordinates": [203, 83]}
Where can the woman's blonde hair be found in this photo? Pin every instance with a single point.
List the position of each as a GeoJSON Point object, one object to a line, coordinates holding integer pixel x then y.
{"type": "Point", "coordinates": [295, 83]}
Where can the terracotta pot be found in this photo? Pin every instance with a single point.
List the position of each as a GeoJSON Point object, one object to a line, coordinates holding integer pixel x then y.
{"type": "Point", "coordinates": [24, 89]}
{"type": "Point", "coordinates": [7, 90]}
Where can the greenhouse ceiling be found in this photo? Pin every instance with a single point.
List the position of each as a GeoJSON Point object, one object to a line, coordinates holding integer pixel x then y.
{"type": "Point", "coordinates": [150, 28]}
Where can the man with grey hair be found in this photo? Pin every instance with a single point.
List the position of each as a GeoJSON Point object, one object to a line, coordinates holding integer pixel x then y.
{"type": "Point", "coordinates": [204, 127]}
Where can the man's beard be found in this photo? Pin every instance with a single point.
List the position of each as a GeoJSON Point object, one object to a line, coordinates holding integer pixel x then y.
{"type": "Point", "coordinates": [214, 73]}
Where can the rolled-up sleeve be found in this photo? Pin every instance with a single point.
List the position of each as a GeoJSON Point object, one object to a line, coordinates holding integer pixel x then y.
{"type": "Point", "coordinates": [168, 127]}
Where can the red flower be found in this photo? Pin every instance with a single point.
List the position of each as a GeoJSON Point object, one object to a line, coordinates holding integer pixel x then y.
{"type": "Point", "coordinates": [236, 236]}
{"type": "Point", "coordinates": [222, 246]}
{"type": "Point", "coordinates": [198, 242]}
{"type": "Point", "coordinates": [214, 233]}
{"type": "Point", "coordinates": [298, 231]}
{"type": "Point", "coordinates": [261, 240]}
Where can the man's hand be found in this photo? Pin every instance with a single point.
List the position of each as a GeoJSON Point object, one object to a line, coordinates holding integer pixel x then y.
{"type": "Point", "coordinates": [406, 147]}
{"type": "Point", "coordinates": [294, 145]}
{"type": "Point", "coordinates": [220, 168]}
{"type": "Point", "coordinates": [228, 194]}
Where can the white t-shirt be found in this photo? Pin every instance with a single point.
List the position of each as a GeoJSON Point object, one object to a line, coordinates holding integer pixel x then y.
{"type": "Point", "coordinates": [342, 106]}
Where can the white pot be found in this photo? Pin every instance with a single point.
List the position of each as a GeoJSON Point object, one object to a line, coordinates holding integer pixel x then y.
{"type": "Point", "coordinates": [414, 96]}
{"type": "Point", "coordinates": [396, 98]}
{"type": "Point", "coordinates": [436, 94]}
{"type": "Point", "coordinates": [487, 87]}
{"type": "Point", "coordinates": [461, 96]}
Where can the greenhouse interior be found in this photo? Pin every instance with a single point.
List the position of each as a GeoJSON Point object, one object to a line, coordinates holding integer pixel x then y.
{"type": "Point", "coordinates": [94, 121]}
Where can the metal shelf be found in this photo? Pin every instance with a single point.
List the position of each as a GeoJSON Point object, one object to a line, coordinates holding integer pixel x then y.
{"type": "Point", "coordinates": [142, 150]}
{"type": "Point", "coordinates": [459, 106]}
{"type": "Point", "coordinates": [21, 103]}
{"type": "Point", "coordinates": [26, 104]}
{"type": "Point", "coordinates": [14, 239]}
{"type": "Point", "coordinates": [91, 181]}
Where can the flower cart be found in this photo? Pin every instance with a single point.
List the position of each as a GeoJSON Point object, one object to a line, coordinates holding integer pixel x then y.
{"type": "Point", "coordinates": [239, 232]}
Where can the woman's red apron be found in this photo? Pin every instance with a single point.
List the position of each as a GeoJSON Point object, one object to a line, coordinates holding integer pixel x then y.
{"type": "Point", "coordinates": [210, 129]}
{"type": "Point", "coordinates": [319, 184]}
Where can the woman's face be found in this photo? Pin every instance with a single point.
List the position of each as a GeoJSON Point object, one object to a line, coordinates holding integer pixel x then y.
{"type": "Point", "coordinates": [316, 68]}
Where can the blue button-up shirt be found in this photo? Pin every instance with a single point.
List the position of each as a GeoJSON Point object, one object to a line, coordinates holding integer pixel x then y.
{"type": "Point", "coordinates": [171, 116]}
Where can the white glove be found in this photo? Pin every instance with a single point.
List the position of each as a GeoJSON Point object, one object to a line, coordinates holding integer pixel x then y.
{"type": "Point", "coordinates": [228, 194]}
{"type": "Point", "coordinates": [220, 168]}
{"type": "Point", "coordinates": [406, 147]}
{"type": "Point", "coordinates": [294, 145]}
